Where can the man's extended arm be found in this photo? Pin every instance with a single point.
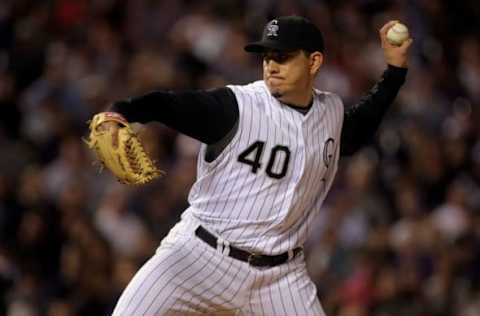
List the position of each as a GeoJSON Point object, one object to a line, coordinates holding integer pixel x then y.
{"type": "Point", "coordinates": [363, 119]}
{"type": "Point", "coordinates": [207, 116]}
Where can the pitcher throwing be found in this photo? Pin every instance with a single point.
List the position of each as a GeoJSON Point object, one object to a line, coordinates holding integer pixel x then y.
{"type": "Point", "coordinates": [269, 155]}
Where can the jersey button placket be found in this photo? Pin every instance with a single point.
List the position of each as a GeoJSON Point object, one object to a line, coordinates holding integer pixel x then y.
{"type": "Point", "coordinates": [302, 147]}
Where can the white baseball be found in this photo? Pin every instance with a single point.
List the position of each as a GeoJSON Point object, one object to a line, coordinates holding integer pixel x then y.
{"type": "Point", "coordinates": [397, 34]}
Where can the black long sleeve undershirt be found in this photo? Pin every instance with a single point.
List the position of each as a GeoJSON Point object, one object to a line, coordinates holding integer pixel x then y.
{"type": "Point", "coordinates": [362, 120]}
{"type": "Point", "coordinates": [204, 115]}
{"type": "Point", "coordinates": [209, 116]}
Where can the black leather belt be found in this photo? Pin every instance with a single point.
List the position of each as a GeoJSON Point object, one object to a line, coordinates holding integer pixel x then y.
{"type": "Point", "coordinates": [253, 259]}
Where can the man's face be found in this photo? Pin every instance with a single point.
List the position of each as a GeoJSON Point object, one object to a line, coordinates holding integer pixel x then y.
{"type": "Point", "coordinates": [286, 73]}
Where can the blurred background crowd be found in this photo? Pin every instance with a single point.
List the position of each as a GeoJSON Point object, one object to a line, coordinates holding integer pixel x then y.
{"type": "Point", "coordinates": [400, 232]}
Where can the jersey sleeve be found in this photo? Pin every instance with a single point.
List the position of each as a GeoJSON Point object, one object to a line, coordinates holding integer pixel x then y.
{"type": "Point", "coordinates": [362, 120]}
{"type": "Point", "coordinates": [206, 115]}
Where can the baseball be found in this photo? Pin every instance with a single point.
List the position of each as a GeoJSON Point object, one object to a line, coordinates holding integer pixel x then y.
{"type": "Point", "coordinates": [397, 34]}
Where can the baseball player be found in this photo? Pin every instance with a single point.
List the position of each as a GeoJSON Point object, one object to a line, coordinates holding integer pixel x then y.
{"type": "Point", "coordinates": [268, 157]}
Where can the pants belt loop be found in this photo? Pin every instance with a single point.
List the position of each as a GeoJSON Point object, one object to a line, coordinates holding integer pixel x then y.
{"type": "Point", "coordinates": [290, 254]}
{"type": "Point", "coordinates": [226, 247]}
{"type": "Point", "coordinates": [220, 243]}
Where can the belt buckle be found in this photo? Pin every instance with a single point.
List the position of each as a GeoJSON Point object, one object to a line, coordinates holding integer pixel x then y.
{"type": "Point", "coordinates": [253, 257]}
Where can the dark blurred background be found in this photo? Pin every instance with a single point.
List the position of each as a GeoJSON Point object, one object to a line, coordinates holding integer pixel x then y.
{"type": "Point", "coordinates": [400, 232]}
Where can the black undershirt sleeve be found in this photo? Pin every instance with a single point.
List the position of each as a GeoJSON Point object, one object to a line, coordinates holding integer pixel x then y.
{"type": "Point", "coordinates": [207, 116]}
{"type": "Point", "coordinates": [362, 120]}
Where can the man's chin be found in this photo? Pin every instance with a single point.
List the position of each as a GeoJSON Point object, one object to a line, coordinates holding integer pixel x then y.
{"type": "Point", "coordinates": [276, 94]}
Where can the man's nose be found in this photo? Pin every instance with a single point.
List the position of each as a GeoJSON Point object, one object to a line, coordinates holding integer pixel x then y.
{"type": "Point", "coordinates": [271, 66]}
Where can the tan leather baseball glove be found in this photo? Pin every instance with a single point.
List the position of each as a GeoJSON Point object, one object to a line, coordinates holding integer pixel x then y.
{"type": "Point", "coordinates": [125, 157]}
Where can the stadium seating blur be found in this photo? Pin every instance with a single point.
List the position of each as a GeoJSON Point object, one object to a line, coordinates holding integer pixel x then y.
{"type": "Point", "coordinates": [400, 231]}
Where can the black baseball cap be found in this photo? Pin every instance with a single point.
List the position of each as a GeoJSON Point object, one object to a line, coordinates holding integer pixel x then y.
{"type": "Point", "coordinates": [289, 33]}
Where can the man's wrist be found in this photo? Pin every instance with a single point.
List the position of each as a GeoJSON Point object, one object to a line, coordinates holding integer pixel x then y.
{"type": "Point", "coordinates": [396, 73]}
{"type": "Point", "coordinates": [397, 63]}
{"type": "Point", "coordinates": [397, 68]}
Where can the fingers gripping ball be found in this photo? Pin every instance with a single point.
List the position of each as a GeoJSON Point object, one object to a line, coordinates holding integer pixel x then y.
{"type": "Point", "coordinates": [397, 34]}
{"type": "Point", "coordinates": [128, 160]}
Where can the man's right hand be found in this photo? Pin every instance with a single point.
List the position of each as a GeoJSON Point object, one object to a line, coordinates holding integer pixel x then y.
{"type": "Point", "coordinates": [394, 55]}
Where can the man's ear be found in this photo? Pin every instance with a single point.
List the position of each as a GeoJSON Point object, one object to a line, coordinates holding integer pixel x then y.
{"type": "Point", "coordinates": [316, 61]}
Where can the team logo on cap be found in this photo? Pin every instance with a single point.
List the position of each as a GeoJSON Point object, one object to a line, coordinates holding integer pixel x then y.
{"type": "Point", "coordinates": [272, 28]}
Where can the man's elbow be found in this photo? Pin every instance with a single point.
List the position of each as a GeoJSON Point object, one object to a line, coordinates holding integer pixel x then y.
{"type": "Point", "coordinates": [350, 149]}
{"type": "Point", "coordinates": [347, 151]}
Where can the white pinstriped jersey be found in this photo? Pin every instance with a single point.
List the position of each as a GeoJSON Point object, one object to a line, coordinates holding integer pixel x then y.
{"type": "Point", "coordinates": [264, 190]}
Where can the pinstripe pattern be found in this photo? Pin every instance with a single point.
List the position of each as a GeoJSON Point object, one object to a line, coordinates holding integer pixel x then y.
{"type": "Point", "coordinates": [257, 212]}
{"type": "Point", "coordinates": [268, 212]}
{"type": "Point", "coordinates": [188, 277]}
{"type": "Point", "coordinates": [185, 277]}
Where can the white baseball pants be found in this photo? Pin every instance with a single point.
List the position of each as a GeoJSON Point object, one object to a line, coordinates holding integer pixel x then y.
{"type": "Point", "coordinates": [186, 276]}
